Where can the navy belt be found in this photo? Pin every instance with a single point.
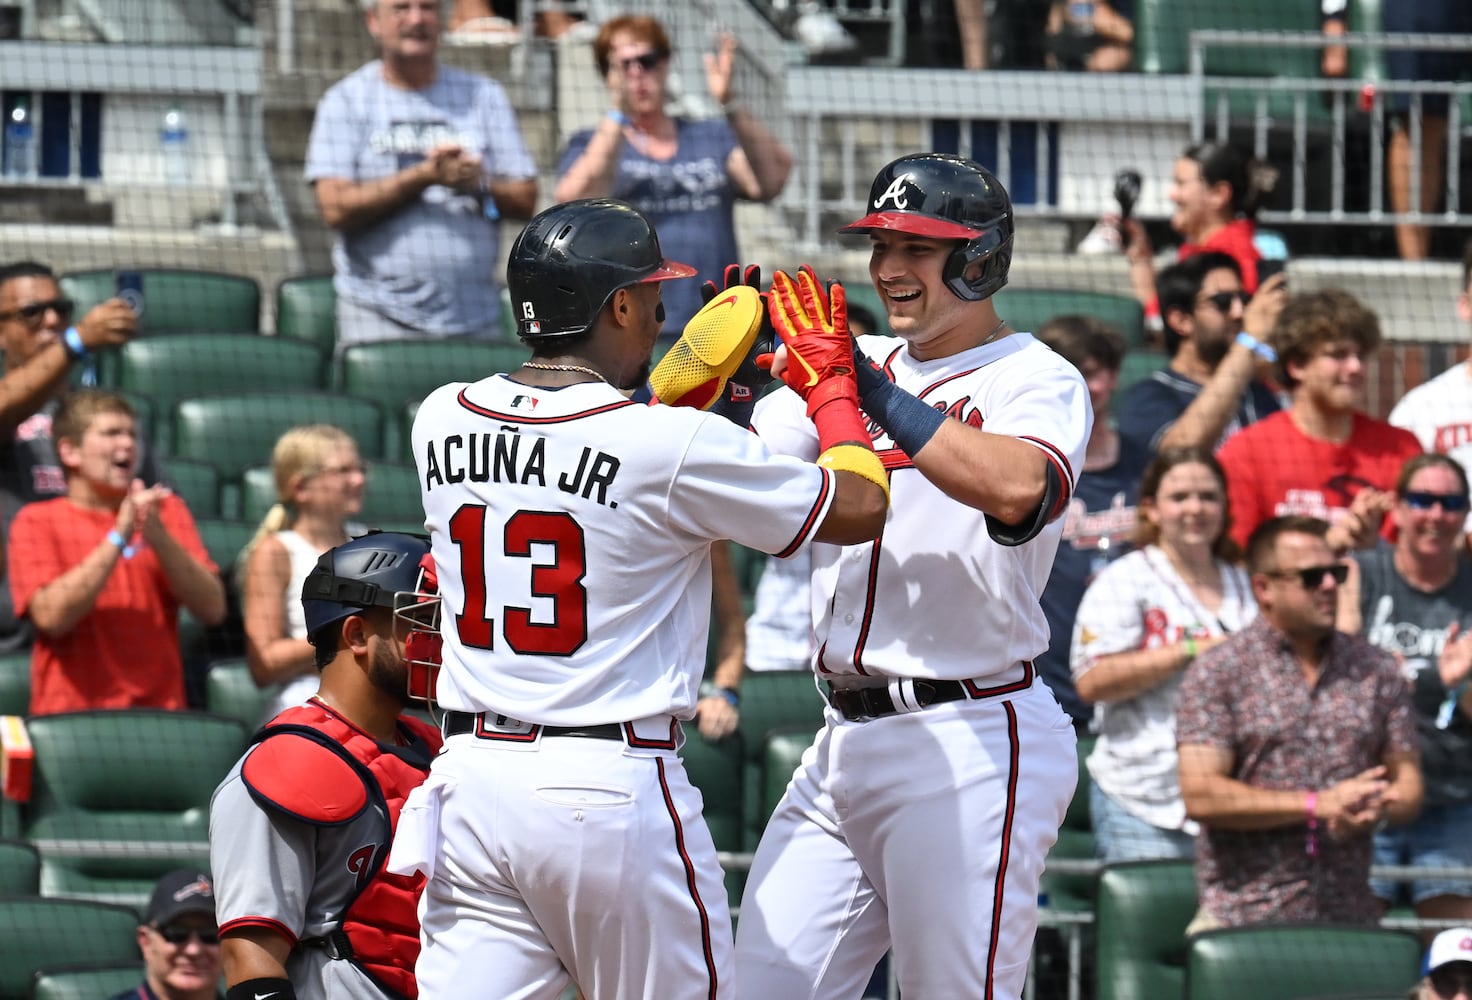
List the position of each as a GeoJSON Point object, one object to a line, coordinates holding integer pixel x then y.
{"type": "Point", "coordinates": [458, 723]}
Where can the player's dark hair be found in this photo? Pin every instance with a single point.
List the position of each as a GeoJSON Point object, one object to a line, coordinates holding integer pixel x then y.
{"type": "Point", "coordinates": [1262, 546]}
{"type": "Point", "coordinates": [1147, 532]}
{"type": "Point", "coordinates": [1177, 286]}
{"type": "Point", "coordinates": [1250, 180]}
{"type": "Point", "coordinates": [82, 406]}
{"type": "Point", "coordinates": [1311, 320]}
{"type": "Point", "coordinates": [1079, 339]}
{"type": "Point", "coordinates": [25, 269]}
{"type": "Point", "coordinates": [1429, 460]}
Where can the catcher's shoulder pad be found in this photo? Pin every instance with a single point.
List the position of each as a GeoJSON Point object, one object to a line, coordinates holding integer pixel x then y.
{"type": "Point", "coordinates": [308, 779]}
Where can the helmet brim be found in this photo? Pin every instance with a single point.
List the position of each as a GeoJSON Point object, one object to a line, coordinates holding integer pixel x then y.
{"type": "Point", "coordinates": [669, 269]}
{"type": "Point", "coordinates": [913, 223]}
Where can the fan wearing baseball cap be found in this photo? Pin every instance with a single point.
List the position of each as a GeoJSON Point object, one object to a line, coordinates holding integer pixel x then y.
{"type": "Point", "coordinates": [1448, 968]}
{"type": "Point", "coordinates": [179, 940]}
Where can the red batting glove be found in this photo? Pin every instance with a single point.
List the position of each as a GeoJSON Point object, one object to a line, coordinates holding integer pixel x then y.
{"type": "Point", "coordinates": [813, 324]}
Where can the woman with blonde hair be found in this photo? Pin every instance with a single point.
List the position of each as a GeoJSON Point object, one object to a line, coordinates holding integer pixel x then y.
{"type": "Point", "coordinates": [319, 486]}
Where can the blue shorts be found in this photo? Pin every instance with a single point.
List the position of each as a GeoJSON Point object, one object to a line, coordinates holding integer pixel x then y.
{"type": "Point", "coordinates": [1440, 837]}
{"type": "Point", "coordinates": [1119, 835]}
{"type": "Point", "coordinates": [1429, 17]}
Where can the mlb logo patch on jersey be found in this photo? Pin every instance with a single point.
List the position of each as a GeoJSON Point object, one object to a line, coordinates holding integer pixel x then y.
{"type": "Point", "coordinates": [524, 402]}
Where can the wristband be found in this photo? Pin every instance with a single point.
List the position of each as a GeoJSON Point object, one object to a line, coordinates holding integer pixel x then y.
{"type": "Point", "coordinates": [116, 538]}
{"type": "Point", "coordinates": [909, 422]}
{"type": "Point", "coordinates": [1311, 840]}
{"type": "Point", "coordinates": [1190, 643]}
{"type": "Point", "coordinates": [261, 989]}
{"type": "Point", "coordinates": [731, 695]}
{"type": "Point", "coordinates": [859, 460]}
{"type": "Point", "coordinates": [618, 117]}
{"type": "Point", "coordinates": [1264, 351]}
{"type": "Point", "coordinates": [72, 341]}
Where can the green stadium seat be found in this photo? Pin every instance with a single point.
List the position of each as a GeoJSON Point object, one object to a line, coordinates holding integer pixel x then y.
{"type": "Point", "coordinates": [110, 823]}
{"type": "Point", "coordinates": [224, 538]}
{"type": "Point", "coordinates": [716, 770]}
{"type": "Point", "coordinates": [178, 300]}
{"type": "Point", "coordinates": [38, 933]}
{"type": "Point", "coordinates": [1074, 893]}
{"type": "Point", "coordinates": [781, 754]}
{"type": "Point", "coordinates": [1141, 912]}
{"type": "Point", "coordinates": [306, 309]}
{"type": "Point", "coordinates": [86, 982]}
{"type": "Point", "coordinates": [146, 421]}
{"type": "Point", "coordinates": [772, 700]}
{"type": "Point", "coordinates": [392, 495]}
{"type": "Point", "coordinates": [1285, 962]}
{"type": "Point", "coordinates": [257, 492]}
{"type": "Point", "coordinates": [20, 869]}
{"type": "Point", "coordinates": [171, 368]}
{"type": "Point", "coordinates": [1029, 308]}
{"type": "Point", "coordinates": [196, 483]}
{"type": "Point", "coordinates": [15, 682]}
{"type": "Point", "coordinates": [394, 371]}
{"type": "Point", "coordinates": [239, 430]}
{"type": "Point", "coordinates": [229, 690]}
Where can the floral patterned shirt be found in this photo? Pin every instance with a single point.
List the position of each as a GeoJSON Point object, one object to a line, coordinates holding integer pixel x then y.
{"type": "Point", "coordinates": [1248, 696]}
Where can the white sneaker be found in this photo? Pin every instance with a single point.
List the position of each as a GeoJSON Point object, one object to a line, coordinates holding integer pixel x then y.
{"type": "Point", "coordinates": [1104, 238]}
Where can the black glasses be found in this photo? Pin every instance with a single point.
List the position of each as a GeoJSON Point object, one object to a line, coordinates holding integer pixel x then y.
{"type": "Point", "coordinates": [1452, 503]}
{"type": "Point", "coordinates": [646, 61]}
{"type": "Point", "coordinates": [36, 311]}
{"type": "Point", "coordinates": [1222, 301]}
{"type": "Point", "coordinates": [178, 934]}
{"type": "Point", "coordinates": [1449, 981]}
{"type": "Point", "coordinates": [1312, 577]}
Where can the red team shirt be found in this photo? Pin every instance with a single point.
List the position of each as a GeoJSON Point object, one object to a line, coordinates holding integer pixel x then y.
{"type": "Point", "coordinates": [1273, 469]}
{"type": "Point", "coordinates": [124, 653]}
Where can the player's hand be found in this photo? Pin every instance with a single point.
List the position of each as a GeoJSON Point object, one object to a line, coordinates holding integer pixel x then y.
{"type": "Point", "coordinates": [108, 324]}
{"type": "Point", "coordinates": [716, 717]}
{"type": "Point", "coordinates": [755, 371]}
{"type": "Point", "coordinates": [813, 324]}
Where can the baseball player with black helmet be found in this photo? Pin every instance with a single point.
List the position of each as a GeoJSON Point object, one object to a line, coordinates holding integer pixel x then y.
{"type": "Point", "coordinates": [921, 817]}
{"type": "Point", "coordinates": [301, 827]}
{"type": "Point", "coordinates": [571, 528]}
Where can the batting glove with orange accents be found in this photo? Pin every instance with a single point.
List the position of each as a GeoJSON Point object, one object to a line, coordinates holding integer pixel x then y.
{"type": "Point", "coordinates": [813, 324]}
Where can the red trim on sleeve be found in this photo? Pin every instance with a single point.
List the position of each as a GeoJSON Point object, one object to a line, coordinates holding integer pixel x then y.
{"type": "Point", "coordinates": [240, 923]}
{"type": "Point", "coordinates": [812, 519]}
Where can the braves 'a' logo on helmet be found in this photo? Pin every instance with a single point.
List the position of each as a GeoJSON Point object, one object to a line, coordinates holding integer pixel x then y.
{"type": "Point", "coordinates": [897, 194]}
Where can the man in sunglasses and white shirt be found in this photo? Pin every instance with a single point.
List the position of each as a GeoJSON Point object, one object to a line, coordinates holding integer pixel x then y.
{"type": "Point", "coordinates": [1296, 743]}
{"type": "Point", "coordinates": [42, 341]}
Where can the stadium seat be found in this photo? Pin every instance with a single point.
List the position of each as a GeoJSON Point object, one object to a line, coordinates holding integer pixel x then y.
{"type": "Point", "coordinates": [229, 690]}
{"type": "Point", "coordinates": [238, 431]}
{"type": "Point", "coordinates": [395, 371]}
{"type": "Point", "coordinates": [1285, 962]}
{"type": "Point", "coordinates": [224, 538]}
{"type": "Point", "coordinates": [38, 933]}
{"type": "Point", "coordinates": [1029, 308]}
{"type": "Point", "coordinates": [86, 982]}
{"type": "Point", "coordinates": [20, 869]}
{"type": "Point", "coordinates": [196, 483]}
{"type": "Point", "coordinates": [306, 309]}
{"type": "Point", "coordinates": [1074, 893]}
{"type": "Point", "coordinates": [257, 492]}
{"type": "Point", "coordinates": [15, 682]}
{"type": "Point", "coordinates": [178, 300]}
{"type": "Point", "coordinates": [772, 700]}
{"type": "Point", "coordinates": [716, 770]}
{"type": "Point", "coordinates": [133, 786]}
{"type": "Point", "coordinates": [392, 496]}
{"type": "Point", "coordinates": [171, 368]}
{"type": "Point", "coordinates": [1141, 912]}
{"type": "Point", "coordinates": [781, 754]}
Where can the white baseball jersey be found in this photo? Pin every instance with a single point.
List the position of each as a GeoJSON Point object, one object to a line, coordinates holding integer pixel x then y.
{"type": "Point", "coordinates": [1140, 602]}
{"type": "Point", "coordinates": [571, 532]}
{"type": "Point", "coordinates": [1439, 413]}
{"type": "Point", "coordinates": [978, 612]}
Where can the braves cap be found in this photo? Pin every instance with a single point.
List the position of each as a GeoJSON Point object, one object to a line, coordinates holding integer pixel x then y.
{"type": "Point", "coordinates": [1449, 946]}
{"type": "Point", "coordinates": [185, 890]}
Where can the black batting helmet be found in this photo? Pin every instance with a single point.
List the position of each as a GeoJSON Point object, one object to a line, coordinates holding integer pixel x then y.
{"type": "Point", "coordinates": [374, 571]}
{"type": "Point", "coordinates": [570, 259]}
{"type": "Point", "coordinates": [947, 198]}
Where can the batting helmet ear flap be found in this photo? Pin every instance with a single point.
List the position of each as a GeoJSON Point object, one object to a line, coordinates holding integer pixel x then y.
{"type": "Point", "coordinates": [978, 267]}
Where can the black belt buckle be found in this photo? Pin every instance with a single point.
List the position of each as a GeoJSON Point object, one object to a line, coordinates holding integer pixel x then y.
{"type": "Point", "coordinates": [857, 704]}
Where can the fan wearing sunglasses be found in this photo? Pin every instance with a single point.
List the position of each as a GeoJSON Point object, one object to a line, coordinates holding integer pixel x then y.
{"type": "Point", "coordinates": [1213, 386]}
{"type": "Point", "coordinates": [1323, 456]}
{"type": "Point", "coordinates": [179, 940]}
{"type": "Point", "coordinates": [1414, 600]}
{"type": "Point", "coordinates": [684, 174]}
{"type": "Point", "coordinates": [1296, 741]}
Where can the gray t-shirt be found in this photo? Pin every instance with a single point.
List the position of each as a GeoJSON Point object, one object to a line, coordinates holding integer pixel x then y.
{"type": "Point", "coordinates": [431, 265]}
{"type": "Point", "coordinates": [1413, 625]}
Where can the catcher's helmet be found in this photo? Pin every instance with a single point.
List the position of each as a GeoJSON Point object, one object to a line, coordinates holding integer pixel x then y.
{"type": "Point", "coordinates": [948, 198]}
{"type": "Point", "coordinates": [382, 569]}
{"type": "Point", "coordinates": [570, 259]}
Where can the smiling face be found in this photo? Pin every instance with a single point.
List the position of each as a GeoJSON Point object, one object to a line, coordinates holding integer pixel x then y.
{"type": "Point", "coordinates": [908, 272]}
{"type": "Point", "coordinates": [187, 966]}
{"type": "Point", "coordinates": [103, 463]}
{"type": "Point", "coordinates": [1199, 206]}
{"type": "Point", "coordinates": [1425, 526]}
{"type": "Point", "coordinates": [1332, 379]}
{"type": "Point", "coordinates": [1189, 508]}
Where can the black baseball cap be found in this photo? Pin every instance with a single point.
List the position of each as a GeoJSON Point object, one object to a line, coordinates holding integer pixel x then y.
{"type": "Point", "coordinates": [184, 890]}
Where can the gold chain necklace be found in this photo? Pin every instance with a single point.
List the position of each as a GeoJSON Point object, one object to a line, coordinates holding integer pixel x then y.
{"type": "Point", "coordinates": [564, 368]}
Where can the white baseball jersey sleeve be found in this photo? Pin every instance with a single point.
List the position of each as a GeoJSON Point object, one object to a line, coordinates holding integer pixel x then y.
{"type": "Point", "coordinates": [571, 532]}
{"type": "Point", "coordinates": [936, 596]}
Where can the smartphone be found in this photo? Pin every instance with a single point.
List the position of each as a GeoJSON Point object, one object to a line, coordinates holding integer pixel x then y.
{"type": "Point", "coordinates": [129, 286]}
{"type": "Point", "coordinates": [1269, 266]}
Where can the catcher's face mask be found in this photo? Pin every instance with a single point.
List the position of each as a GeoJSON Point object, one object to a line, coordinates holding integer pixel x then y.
{"type": "Point", "coordinates": [417, 626]}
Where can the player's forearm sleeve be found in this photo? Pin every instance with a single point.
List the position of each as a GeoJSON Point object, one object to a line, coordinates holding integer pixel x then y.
{"type": "Point", "coordinates": [909, 422]}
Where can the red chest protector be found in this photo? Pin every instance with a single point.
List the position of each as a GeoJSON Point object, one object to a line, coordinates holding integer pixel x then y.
{"type": "Point", "coordinates": [317, 767]}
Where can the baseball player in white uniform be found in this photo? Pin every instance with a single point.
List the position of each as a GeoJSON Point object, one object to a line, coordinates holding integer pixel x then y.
{"type": "Point", "coordinates": [571, 530]}
{"type": "Point", "coordinates": [920, 818]}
